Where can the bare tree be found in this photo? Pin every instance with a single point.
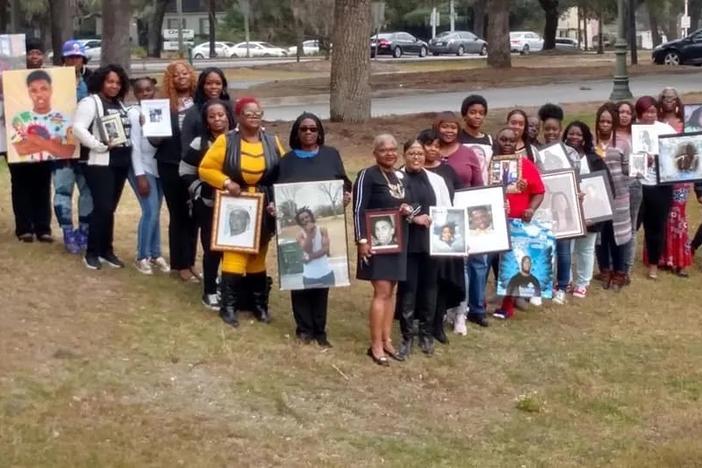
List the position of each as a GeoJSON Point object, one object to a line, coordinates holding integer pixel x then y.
{"type": "Point", "coordinates": [154, 37]}
{"type": "Point", "coordinates": [61, 24]}
{"type": "Point", "coordinates": [116, 48]}
{"type": "Point", "coordinates": [350, 97]}
{"type": "Point", "coordinates": [498, 35]}
{"type": "Point", "coordinates": [333, 192]}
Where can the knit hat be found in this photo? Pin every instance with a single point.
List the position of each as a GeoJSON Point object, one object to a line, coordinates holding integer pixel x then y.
{"type": "Point", "coordinates": [34, 44]}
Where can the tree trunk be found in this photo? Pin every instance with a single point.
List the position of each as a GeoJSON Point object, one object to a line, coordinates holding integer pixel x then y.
{"type": "Point", "coordinates": [116, 48]}
{"type": "Point", "coordinates": [550, 8]}
{"type": "Point", "coordinates": [155, 37]}
{"type": "Point", "coordinates": [479, 7]}
{"type": "Point", "coordinates": [213, 25]}
{"type": "Point", "coordinates": [498, 35]}
{"type": "Point", "coordinates": [600, 34]}
{"type": "Point", "coordinates": [350, 98]}
{"type": "Point", "coordinates": [653, 24]}
{"type": "Point", "coordinates": [631, 31]}
{"type": "Point", "coordinates": [4, 15]}
{"type": "Point", "coordinates": [61, 13]}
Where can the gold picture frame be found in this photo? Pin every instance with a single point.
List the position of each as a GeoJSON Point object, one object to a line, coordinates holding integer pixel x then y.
{"type": "Point", "coordinates": [236, 222]}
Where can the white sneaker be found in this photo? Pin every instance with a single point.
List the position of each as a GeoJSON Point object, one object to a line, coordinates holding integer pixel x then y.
{"type": "Point", "coordinates": [536, 301]}
{"type": "Point", "coordinates": [161, 264]}
{"type": "Point", "coordinates": [560, 297]}
{"type": "Point", "coordinates": [143, 266]}
{"type": "Point", "coordinates": [211, 301]}
{"type": "Point", "coordinates": [459, 326]}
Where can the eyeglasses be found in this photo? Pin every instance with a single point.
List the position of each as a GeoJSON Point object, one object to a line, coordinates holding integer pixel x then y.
{"type": "Point", "coordinates": [414, 154]}
{"type": "Point", "coordinates": [309, 129]}
{"type": "Point", "coordinates": [252, 114]}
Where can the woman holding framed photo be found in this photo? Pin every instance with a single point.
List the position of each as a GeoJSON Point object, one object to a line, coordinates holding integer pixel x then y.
{"type": "Point", "coordinates": [381, 187]}
{"type": "Point", "coordinates": [518, 121]}
{"type": "Point", "coordinates": [310, 160]}
{"type": "Point", "coordinates": [108, 164]}
{"type": "Point", "coordinates": [245, 160]}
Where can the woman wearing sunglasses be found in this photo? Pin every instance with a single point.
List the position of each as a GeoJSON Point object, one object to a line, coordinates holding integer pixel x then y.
{"type": "Point", "coordinates": [309, 160]}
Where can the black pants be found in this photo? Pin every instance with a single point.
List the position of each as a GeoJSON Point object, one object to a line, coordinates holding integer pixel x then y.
{"type": "Point", "coordinates": [31, 197]}
{"type": "Point", "coordinates": [310, 311]}
{"type": "Point", "coordinates": [611, 256]}
{"type": "Point", "coordinates": [182, 229]}
{"type": "Point", "coordinates": [657, 201]}
{"type": "Point", "coordinates": [210, 258]}
{"type": "Point", "coordinates": [416, 295]}
{"type": "Point", "coordinates": [697, 240]}
{"type": "Point", "coordinates": [106, 184]}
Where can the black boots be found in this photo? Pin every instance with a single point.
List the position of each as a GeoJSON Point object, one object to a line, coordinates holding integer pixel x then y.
{"type": "Point", "coordinates": [260, 290]}
{"type": "Point", "coordinates": [230, 284]}
{"type": "Point", "coordinates": [405, 348]}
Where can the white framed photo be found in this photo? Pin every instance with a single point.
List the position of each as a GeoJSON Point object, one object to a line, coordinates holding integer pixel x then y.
{"type": "Point", "coordinates": [236, 223]}
{"type": "Point", "coordinates": [157, 118]}
{"type": "Point", "coordinates": [486, 218]}
{"type": "Point", "coordinates": [598, 202]}
{"type": "Point", "coordinates": [448, 233]}
{"type": "Point", "coordinates": [311, 235]}
{"type": "Point", "coordinates": [111, 130]}
{"type": "Point", "coordinates": [679, 158]}
{"type": "Point", "coordinates": [561, 206]}
{"type": "Point", "coordinates": [644, 139]}
{"type": "Point", "coordinates": [554, 157]}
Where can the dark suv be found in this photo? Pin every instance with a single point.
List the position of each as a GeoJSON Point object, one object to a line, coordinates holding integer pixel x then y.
{"type": "Point", "coordinates": [685, 51]}
{"type": "Point", "coordinates": [396, 44]}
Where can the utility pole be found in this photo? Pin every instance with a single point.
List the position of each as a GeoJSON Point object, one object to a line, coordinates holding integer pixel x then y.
{"type": "Point", "coordinates": [621, 90]}
{"type": "Point", "coordinates": [434, 21]}
{"type": "Point", "coordinates": [685, 21]}
{"type": "Point", "coordinates": [452, 14]}
{"type": "Point", "coordinates": [179, 10]}
{"type": "Point", "coordinates": [245, 7]}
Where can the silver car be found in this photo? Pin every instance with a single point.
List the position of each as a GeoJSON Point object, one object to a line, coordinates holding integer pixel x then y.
{"type": "Point", "coordinates": [458, 43]}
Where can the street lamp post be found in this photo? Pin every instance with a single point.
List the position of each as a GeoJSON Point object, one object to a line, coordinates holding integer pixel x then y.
{"type": "Point", "coordinates": [621, 89]}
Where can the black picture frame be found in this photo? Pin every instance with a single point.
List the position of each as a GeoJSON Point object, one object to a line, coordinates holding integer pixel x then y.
{"type": "Point", "coordinates": [499, 239]}
{"type": "Point", "coordinates": [397, 242]}
{"type": "Point", "coordinates": [584, 184]}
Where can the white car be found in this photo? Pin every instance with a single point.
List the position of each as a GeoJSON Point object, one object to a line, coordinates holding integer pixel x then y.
{"type": "Point", "coordinates": [310, 47]}
{"type": "Point", "coordinates": [525, 42]}
{"type": "Point", "coordinates": [222, 49]}
{"type": "Point", "coordinates": [257, 49]}
{"type": "Point", "coordinates": [93, 48]}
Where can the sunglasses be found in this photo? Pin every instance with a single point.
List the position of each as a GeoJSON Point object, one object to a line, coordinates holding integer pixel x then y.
{"type": "Point", "coordinates": [308, 129]}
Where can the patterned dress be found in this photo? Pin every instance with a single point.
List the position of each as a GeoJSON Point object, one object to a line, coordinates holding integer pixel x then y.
{"type": "Point", "coordinates": [677, 253]}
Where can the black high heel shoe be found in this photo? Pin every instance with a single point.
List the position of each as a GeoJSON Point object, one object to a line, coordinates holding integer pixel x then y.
{"type": "Point", "coordinates": [381, 361]}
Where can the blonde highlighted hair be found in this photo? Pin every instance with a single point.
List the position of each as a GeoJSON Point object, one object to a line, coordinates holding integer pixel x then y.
{"type": "Point", "coordinates": [169, 88]}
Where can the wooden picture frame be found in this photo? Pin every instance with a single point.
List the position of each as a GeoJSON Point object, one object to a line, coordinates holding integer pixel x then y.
{"type": "Point", "coordinates": [236, 222]}
{"type": "Point", "coordinates": [387, 223]}
{"type": "Point", "coordinates": [488, 226]}
{"type": "Point", "coordinates": [111, 130]}
{"type": "Point", "coordinates": [505, 170]}
{"type": "Point", "coordinates": [598, 203]}
{"type": "Point", "coordinates": [561, 206]}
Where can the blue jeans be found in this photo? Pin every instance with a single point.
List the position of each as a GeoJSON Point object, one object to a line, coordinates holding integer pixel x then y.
{"type": "Point", "coordinates": [66, 176]}
{"type": "Point", "coordinates": [476, 274]}
{"type": "Point", "coordinates": [563, 247]}
{"type": "Point", "coordinates": [584, 252]}
{"type": "Point", "coordinates": [149, 232]}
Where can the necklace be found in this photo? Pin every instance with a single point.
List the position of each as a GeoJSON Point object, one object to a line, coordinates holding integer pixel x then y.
{"type": "Point", "coordinates": [396, 190]}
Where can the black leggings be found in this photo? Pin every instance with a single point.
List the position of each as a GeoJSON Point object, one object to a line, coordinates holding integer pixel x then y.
{"type": "Point", "coordinates": [182, 230]}
{"type": "Point", "coordinates": [106, 184]}
{"type": "Point", "coordinates": [657, 201]}
{"type": "Point", "coordinates": [416, 297]}
{"type": "Point", "coordinates": [31, 197]}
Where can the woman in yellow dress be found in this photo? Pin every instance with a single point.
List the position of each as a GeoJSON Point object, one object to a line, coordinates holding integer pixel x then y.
{"type": "Point", "coordinates": [245, 160]}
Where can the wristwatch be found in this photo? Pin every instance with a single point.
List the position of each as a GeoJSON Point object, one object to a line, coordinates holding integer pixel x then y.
{"type": "Point", "coordinates": [362, 241]}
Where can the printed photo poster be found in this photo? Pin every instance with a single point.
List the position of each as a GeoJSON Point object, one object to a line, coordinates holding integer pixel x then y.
{"type": "Point", "coordinates": [13, 56]}
{"type": "Point", "coordinates": [527, 269]}
{"type": "Point", "coordinates": [39, 106]}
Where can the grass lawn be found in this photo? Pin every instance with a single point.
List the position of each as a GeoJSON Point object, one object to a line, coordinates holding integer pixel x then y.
{"type": "Point", "coordinates": [113, 368]}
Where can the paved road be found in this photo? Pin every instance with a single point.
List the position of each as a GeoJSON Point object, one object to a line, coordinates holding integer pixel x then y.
{"type": "Point", "coordinates": [526, 96]}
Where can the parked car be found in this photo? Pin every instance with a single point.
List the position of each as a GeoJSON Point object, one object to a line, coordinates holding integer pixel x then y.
{"type": "Point", "coordinates": [222, 49]}
{"type": "Point", "coordinates": [457, 42]}
{"type": "Point", "coordinates": [566, 43]}
{"type": "Point", "coordinates": [685, 51]}
{"type": "Point", "coordinates": [93, 48]}
{"type": "Point", "coordinates": [396, 44]}
{"type": "Point", "coordinates": [525, 42]}
{"type": "Point", "coordinates": [258, 49]}
{"type": "Point", "coordinates": [310, 47]}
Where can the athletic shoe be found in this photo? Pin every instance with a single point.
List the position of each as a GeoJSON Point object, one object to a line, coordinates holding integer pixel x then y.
{"type": "Point", "coordinates": [501, 314]}
{"type": "Point", "coordinates": [161, 264]}
{"type": "Point", "coordinates": [459, 325]}
{"type": "Point", "coordinates": [144, 266]}
{"type": "Point", "coordinates": [45, 238]}
{"type": "Point", "coordinates": [112, 260]}
{"type": "Point", "coordinates": [560, 297]}
{"type": "Point", "coordinates": [536, 301]}
{"type": "Point", "coordinates": [210, 301]}
{"type": "Point", "coordinates": [580, 292]}
{"type": "Point", "coordinates": [92, 262]}
{"type": "Point", "coordinates": [478, 319]}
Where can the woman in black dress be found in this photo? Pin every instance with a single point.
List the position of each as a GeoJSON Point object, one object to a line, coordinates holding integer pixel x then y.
{"type": "Point", "coordinates": [380, 187]}
{"type": "Point", "coordinates": [310, 161]}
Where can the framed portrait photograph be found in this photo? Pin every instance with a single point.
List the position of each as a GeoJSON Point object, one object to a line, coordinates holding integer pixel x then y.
{"type": "Point", "coordinates": [111, 130]}
{"type": "Point", "coordinates": [487, 221]}
{"type": "Point", "coordinates": [448, 232]}
{"type": "Point", "coordinates": [679, 158]}
{"type": "Point", "coordinates": [644, 139]}
{"type": "Point", "coordinates": [157, 118]}
{"type": "Point", "coordinates": [554, 158]}
{"type": "Point", "coordinates": [638, 165]}
{"type": "Point", "coordinates": [311, 235]}
{"type": "Point", "coordinates": [526, 270]}
{"type": "Point", "coordinates": [598, 202]}
{"type": "Point", "coordinates": [13, 56]}
{"type": "Point", "coordinates": [384, 231]}
{"type": "Point", "coordinates": [236, 222]}
{"type": "Point", "coordinates": [693, 117]}
{"type": "Point", "coordinates": [506, 171]}
{"type": "Point", "coordinates": [39, 106]}
{"type": "Point", "coordinates": [561, 207]}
